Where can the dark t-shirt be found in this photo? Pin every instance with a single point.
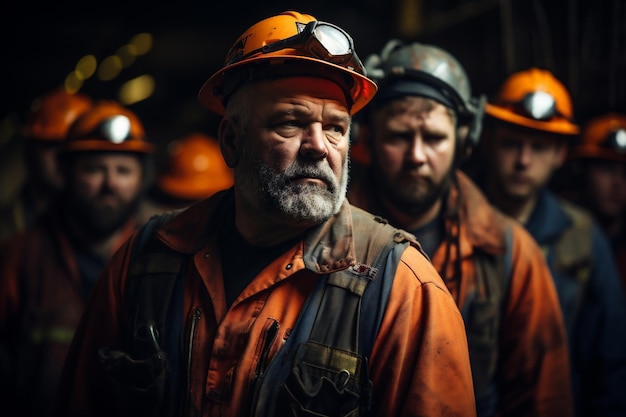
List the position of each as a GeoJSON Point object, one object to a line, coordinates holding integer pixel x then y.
{"type": "Point", "coordinates": [90, 266]}
{"type": "Point", "coordinates": [241, 262]}
{"type": "Point", "coordinates": [430, 235]}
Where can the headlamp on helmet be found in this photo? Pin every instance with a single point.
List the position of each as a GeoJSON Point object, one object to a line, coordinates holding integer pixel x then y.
{"type": "Point", "coordinates": [107, 126]}
{"type": "Point", "coordinates": [603, 137]}
{"type": "Point", "coordinates": [115, 129]}
{"type": "Point", "coordinates": [617, 141]}
{"type": "Point", "coordinates": [535, 99]}
{"type": "Point", "coordinates": [539, 105]}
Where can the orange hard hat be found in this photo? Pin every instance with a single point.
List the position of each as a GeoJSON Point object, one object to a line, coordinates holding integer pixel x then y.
{"type": "Point", "coordinates": [51, 115]}
{"type": "Point", "coordinates": [195, 168]}
{"type": "Point", "coordinates": [107, 126]}
{"type": "Point", "coordinates": [535, 99]}
{"type": "Point", "coordinates": [603, 137]}
{"type": "Point", "coordinates": [290, 43]}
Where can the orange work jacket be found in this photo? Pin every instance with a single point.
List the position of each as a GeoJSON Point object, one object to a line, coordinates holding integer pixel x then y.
{"type": "Point", "coordinates": [532, 377]}
{"type": "Point", "coordinates": [419, 363]}
{"type": "Point", "coordinates": [41, 301]}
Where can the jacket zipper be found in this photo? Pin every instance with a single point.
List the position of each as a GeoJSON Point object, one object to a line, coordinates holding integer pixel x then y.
{"type": "Point", "coordinates": [270, 337]}
{"type": "Point", "coordinates": [195, 318]}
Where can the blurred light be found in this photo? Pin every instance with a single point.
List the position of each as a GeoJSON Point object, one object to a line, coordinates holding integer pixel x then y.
{"type": "Point", "coordinates": [137, 89]}
{"type": "Point", "coordinates": [109, 68]}
{"type": "Point", "coordinates": [116, 129]}
{"type": "Point", "coordinates": [410, 19]}
{"type": "Point", "coordinates": [142, 43]}
{"type": "Point", "coordinates": [86, 67]}
{"type": "Point", "coordinates": [127, 54]}
{"type": "Point", "coordinates": [73, 82]}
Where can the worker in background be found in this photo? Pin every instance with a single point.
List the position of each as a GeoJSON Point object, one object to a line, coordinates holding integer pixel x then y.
{"type": "Point", "coordinates": [597, 168]}
{"type": "Point", "coordinates": [193, 169]}
{"type": "Point", "coordinates": [418, 129]}
{"type": "Point", "coordinates": [528, 129]}
{"type": "Point", "coordinates": [47, 272]}
{"type": "Point", "coordinates": [44, 129]}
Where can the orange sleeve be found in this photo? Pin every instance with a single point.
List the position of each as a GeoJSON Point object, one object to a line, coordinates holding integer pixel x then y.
{"type": "Point", "coordinates": [534, 345]}
{"type": "Point", "coordinates": [85, 387]}
{"type": "Point", "coordinates": [420, 361]}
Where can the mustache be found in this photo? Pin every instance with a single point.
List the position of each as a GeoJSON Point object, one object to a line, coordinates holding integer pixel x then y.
{"type": "Point", "coordinates": [107, 193]}
{"type": "Point", "coordinates": [319, 170]}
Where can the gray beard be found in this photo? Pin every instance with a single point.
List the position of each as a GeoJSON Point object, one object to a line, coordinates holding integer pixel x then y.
{"type": "Point", "coordinates": [276, 193]}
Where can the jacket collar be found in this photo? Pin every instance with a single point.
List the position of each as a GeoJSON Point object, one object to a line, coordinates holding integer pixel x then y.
{"type": "Point", "coordinates": [479, 219]}
{"type": "Point", "coordinates": [548, 218]}
{"type": "Point", "coordinates": [327, 247]}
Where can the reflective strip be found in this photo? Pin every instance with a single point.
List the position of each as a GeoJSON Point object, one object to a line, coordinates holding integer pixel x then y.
{"type": "Point", "coordinates": [53, 334]}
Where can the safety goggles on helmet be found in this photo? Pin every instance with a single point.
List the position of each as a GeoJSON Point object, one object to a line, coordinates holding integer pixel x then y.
{"type": "Point", "coordinates": [320, 40]}
{"type": "Point", "coordinates": [537, 105]}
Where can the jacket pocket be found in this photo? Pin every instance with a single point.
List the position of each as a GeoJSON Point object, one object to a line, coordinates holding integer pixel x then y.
{"type": "Point", "coordinates": [324, 381]}
{"type": "Point", "coordinates": [140, 385]}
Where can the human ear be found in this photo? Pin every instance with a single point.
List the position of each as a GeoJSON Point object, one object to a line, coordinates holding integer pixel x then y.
{"type": "Point", "coordinates": [227, 139]}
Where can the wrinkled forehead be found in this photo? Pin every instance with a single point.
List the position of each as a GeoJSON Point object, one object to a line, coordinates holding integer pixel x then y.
{"type": "Point", "coordinates": [505, 133]}
{"type": "Point", "coordinates": [121, 158]}
{"type": "Point", "coordinates": [303, 87]}
{"type": "Point", "coordinates": [511, 132]}
{"type": "Point", "coordinates": [412, 106]}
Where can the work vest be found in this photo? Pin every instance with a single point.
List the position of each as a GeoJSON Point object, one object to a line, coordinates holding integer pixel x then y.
{"type": "Point", "coordinates": [570, 258]}
{"type": "Point", "coordinates": [322, 369]}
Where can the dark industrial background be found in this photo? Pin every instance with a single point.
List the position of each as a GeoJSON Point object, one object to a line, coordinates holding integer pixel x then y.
{"type": "Point", "coordinates": [582, 42]}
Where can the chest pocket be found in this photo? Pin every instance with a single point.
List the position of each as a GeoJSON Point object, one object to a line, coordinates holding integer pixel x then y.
{"type": "Point", "coordinates": [324, 364]}
{"type": "Point", "coordinates": [329, 377]}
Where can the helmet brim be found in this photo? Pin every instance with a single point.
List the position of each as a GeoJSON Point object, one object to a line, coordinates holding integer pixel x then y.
{"type": "Point", "coordinates": [559, 126]}
{"type": "Point", "coordinates": [593, 152]}
{"type": "Point", "coordinates": [361, 91]}
{"type": "Point", "coordinates": [100, 145]}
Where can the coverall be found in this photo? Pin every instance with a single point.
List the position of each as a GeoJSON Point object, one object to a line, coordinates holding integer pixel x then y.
{"type": "Point", "coordinates": [42, 296]}
{"type": "Point", "coordinates": [594, 308]}
{"type": "Point", "coordinates": [528, 341]}
{"type": "Point", "coordinates": [419, 364]}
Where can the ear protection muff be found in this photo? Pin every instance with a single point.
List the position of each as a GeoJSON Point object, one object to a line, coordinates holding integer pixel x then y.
{"type": "Point", "coordinates": [476, 126]}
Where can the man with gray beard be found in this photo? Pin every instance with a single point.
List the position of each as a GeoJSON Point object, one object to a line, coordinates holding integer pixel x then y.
{"type": "Point", "coordinates": [259, 300]}
{"type": "Point", "coordinates": [48, 271]}
{"type": "Point", "coordinates": [277, 189]}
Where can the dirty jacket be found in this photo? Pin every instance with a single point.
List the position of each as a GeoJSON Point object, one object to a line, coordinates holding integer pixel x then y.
{"type": "Point", "coordinates": [532, 376]}
{"type": "Point", "coordinates": [41, 301]}
{"type": "Point", "coordinates": [594, 308]}
{"type": "Point", "coordinates": [419, 363]}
